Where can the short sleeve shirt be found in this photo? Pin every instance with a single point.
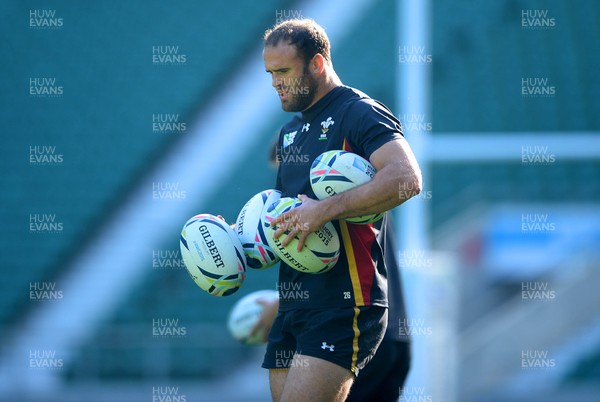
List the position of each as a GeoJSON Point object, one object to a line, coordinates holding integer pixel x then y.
{"type": "Point", "coordinates": [344, 119]}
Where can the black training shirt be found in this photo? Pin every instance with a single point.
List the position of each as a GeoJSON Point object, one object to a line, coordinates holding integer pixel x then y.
{"type": "Point", "coordinates": [344, 119]}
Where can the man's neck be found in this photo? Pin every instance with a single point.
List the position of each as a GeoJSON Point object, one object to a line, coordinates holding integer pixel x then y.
{"type": "Point", "coordinates": [330, 82]}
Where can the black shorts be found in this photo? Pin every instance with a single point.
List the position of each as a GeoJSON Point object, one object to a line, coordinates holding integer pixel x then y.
{"type": "Point", "coordinates": [347, 337]}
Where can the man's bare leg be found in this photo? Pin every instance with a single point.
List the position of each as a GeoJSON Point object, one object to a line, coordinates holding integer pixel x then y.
{"type": "Point", "coordinates": [313, 379]}
{"type": "Point", "coordinates": [277, 379]}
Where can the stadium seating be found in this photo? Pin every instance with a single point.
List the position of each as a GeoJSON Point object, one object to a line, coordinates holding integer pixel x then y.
{"type": "Point", "coordinates": [102, 127]}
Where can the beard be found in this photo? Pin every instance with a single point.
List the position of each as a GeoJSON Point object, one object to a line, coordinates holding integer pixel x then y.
{"type": "Point", "coordinates": [300, 93]}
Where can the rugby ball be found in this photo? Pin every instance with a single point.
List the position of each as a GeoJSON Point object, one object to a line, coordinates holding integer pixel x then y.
{"type": "Point", "coordinates": [259, 255]}
{"type": "Point", "coordinates": [213, 254]}
{"type": "Point", "coordinates": [321, 248]}
{"type": "Point", "coordinates": [334, 172]}
{"type": "Point", "coordinates": [244, 315]}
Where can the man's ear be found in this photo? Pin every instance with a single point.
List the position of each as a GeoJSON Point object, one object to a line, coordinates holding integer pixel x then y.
{"type": "Point", "coordinates": [317, 64]}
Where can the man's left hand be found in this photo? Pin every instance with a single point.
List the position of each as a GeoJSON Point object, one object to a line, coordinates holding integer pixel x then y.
{"type": "Point", "coordinates": [300, 221]}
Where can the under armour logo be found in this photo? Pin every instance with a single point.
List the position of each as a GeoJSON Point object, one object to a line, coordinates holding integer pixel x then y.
{"type": "Point", "coordinates": [305, 127]}
{"type": "Point", "coordinates": [326, 346]}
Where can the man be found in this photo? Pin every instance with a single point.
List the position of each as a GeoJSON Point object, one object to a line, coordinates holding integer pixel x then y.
{"type": "Point", "coordinates": [383, 378]}
{"type": "Point", "coordinates": [319, 343]}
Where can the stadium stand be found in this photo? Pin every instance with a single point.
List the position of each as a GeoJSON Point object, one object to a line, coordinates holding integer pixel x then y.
{"type": "Point", "coordinates": [102, 124]}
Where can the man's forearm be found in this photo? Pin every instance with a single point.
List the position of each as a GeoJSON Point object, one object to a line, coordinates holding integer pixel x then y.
{"type": "Point", "coordinates": [390, 187]}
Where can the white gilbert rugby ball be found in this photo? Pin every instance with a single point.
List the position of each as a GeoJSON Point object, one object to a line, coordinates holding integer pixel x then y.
{"type": "Point", "coordinates": [245, 314]}
{"type": "Point", "coordinates": [251, 233]}
{"type": "Point", "coordinates": [321, 248]}
{"type": "Point", "coordinates": [334, 172]}
{"type": "Point", "coordinates": [213, 254]}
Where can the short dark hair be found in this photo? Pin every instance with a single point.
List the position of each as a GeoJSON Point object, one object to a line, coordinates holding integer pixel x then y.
{"type": "Point", "coordinates": [308, 37]}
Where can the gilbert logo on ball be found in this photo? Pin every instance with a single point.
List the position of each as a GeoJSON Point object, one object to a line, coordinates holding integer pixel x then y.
{"type": "Point", "coordinates": [213, 255]}
{"type": "Point", "coordinates": [259, 255]}
{"type": "Point", "coordinates": [334, 172]}
{"type": "Point", "coordinates": [321, 248]}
